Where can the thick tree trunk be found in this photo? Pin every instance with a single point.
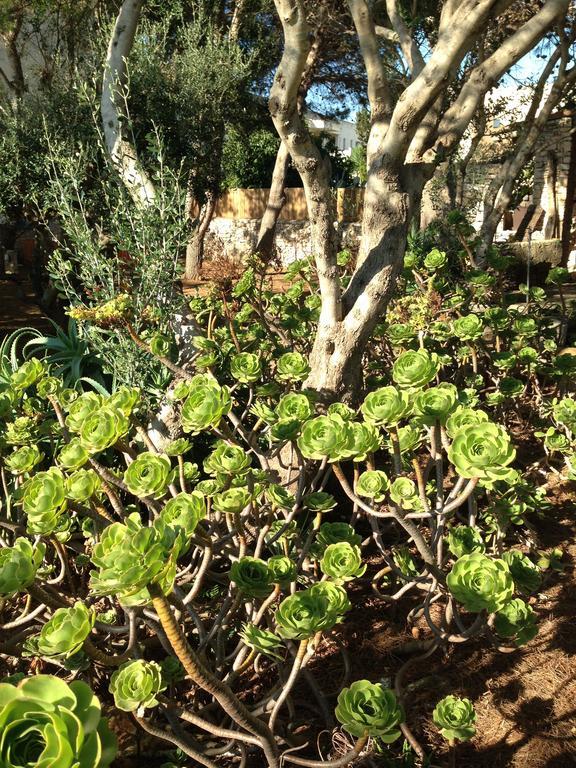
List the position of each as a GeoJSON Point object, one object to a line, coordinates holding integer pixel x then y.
{"type": "Point", "coordinates": [113, 105]}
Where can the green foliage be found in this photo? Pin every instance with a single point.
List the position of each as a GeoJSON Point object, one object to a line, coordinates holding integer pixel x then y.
{"type": "Point", "coordinates": [455, 717]}
{"type": "Point", "coordinates": [136, 684]}
{"type": "Point", "coordinates": [480, 582]}
{"type": "Point", "coordinates": [516, 621]}
{"type": "Point", "coordinates": [45, 721]}
{"type": "Point", "coordinates": [368, 708]}
{"type": "Point", "coordinates": [18, 566]}
{"type": "Point", "coordinates": [64, 634]}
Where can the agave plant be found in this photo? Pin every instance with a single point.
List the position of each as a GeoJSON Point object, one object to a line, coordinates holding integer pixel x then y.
{"type": "Point", "coordinates": [69, 356]}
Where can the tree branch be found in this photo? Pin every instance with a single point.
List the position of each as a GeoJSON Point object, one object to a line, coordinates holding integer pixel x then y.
{"type": "Point", "coordinates": [457, 117]}
{"type": "Point", "coordinates": [312, 167]}
{"type": "Point", "coordinates": [113, 105]}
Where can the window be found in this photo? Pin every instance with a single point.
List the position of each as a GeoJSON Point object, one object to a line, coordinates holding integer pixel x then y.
{"type": "Point", "coordinates": [343, 143]}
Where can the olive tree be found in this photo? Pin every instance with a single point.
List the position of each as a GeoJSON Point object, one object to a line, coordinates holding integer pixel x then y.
{"type": "Point", "coordinates": [411, 133]}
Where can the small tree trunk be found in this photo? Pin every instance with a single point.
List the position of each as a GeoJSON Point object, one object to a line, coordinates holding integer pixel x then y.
{"type": "Point", "coordinates": [276, 200]}
{"type": "Point", "coordinates": [195, 247]}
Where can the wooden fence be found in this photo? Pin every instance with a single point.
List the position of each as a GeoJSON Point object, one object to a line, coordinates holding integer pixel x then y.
{"type": "Point", "coordinates": [251, 204]}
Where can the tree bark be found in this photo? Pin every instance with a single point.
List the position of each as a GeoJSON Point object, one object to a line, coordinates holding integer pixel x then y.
{"type": "Point", "coordinates": [499, 192]}
{"type": "Point", "coordinates": [567, 220]}
{"type": "Point", "coordinates": [276, 197]}
{"type": "Point", "coordinates": [16, 84]}
{"type": "Point", "coordinates": [276, 200]}
{"type": "Point", "coordinates": [195, 246]}
{"type": "Point", "coordinates": [313, 168]}
{"type": "Point", "coordinates": [407, 140]}
{"type": "Point", "coordinates": [113, 105]}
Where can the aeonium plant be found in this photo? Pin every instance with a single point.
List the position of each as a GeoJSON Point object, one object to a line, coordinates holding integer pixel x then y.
{"type": "Point", "coordinates": [233, 545]}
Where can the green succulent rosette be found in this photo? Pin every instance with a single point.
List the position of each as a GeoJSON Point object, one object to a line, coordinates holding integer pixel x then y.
{"type": "Point", "coordinates": [439, 330]}
{"type": "Point", "coordinates": [303, 614]}
{"type": "Point", "coordinates": [45, 722]}
{"type": "Point", "coordinates": [558, 276]}
{"type": "Point", "coordinates": [261, 640]}
{"type": "Point", "coordinates": [227, 459]}
{"type": "Point", "coordinates": [205, 405]}
{"type": "Point", "coordinates": [136, 684]}
{"type": "Point", "coordinates": [125, 400]}
{"type": "Point", "coordinates": [292, 366]}
{"type": "Point", "coordinates": [162, 345]}
{"type": "Point", "coordinates": [319, 501]}
{"type": "Point", "coordinates": [184, 512]}
{"type": "Point", "coordinates": [342, 562]}
{"type": "Point", "coordinates": [480, 582]}
{"type": "Point", "coordinates": [64, 633]}
{"type": "Point", "coordinates": [149, 475]}
{"type": "Point", "coordinates": [464, 417]}
{"type": "Point", "coordinates": [415, 368]}
{"type": "Point", "coordinates": [294, 407]}
{"type": "Point", "coordinates": [434, 405]}
{"type": "Point", "coordinates": [73, 455]}
{"type": "Point", "coordinates": [482, 451]}
{"type": "Point", "coordinates": [232, 501]}
{"type": "Point", "coordinates": [21, 431]}
{"type": "Point", "coordinates": [82, 485]}
{"type": "Point", "coordinates": [564, 411]}
{"type": "Point", "coordinates": [386, 406]}
{"type": "Point", "coordinates": [6, 402]}
{"type": "Point", "coordinates": [367, 707]}
{"type": "Point", "coordinates": [252, 576]}
{"type": "Point", "coordinates": [284, 431]}
{"type": "Point", "coordinates": [325, 437]}
{"type": "Point", "coordinates": [129, 556]}
{"type": "Point", "coordinates": [399, 333]}
{"type": "Point", "coordinates": [435, 260]}
{"type": "Point", "coordinates": [335, 533]}
{"type": "Point", "coordinates": [282, 570]}
{"type": "Point", "coordinates": [27, 374]}
{"type": "Point", "coordinates": [468, 328]}
{"type": "Point", "coordinates": [525, 573]}
{"type": "Point", "coordinates": [525, 326]}
{"type": "Point", "coordinates": [363, 440]}
{"type": "Point", "coordinates": [372, 484]}
{"type": "Point", "coordinates": [44, 501]}
{"type": "Point", "coordinates": [245, 367]}
{"type": "Point", "coordinates": [497, 318]}
{"type": "Point", "coordinates": [18, 566]}
{"type": "Point", "coordinates": [102, 429]}
{"type": "Point", "coordinates": [554, 440]}
{"type": "Point", "coordinates": [24, 459]}
{"type": "Point", "coordinates": [279, 497]}
{"type": "Point", "coordinates": [464, 540]}
{"type": "Point", "coordinates": [342, 410]}
{"type": "Point", "coordinates": [177, 447]}
{"type": "Point", "coordinates": [455, 718]}
{"type": "Point", "coordinates": [510, 387]}
{"type": "Point", "coordinates": [410, 437]}
{"type": "Point", "coordinates": [403, 492]}
{"type": "Point", "coordinates": [335, 595]}
{"type": "Point", "coordinates": [86, 405]}
{"type": "Point", "coordinates": [516, 621]}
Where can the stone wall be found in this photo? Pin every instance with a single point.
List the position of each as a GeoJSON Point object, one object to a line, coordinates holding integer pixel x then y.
{"type": "Point", "coordinates": [235, 238]}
